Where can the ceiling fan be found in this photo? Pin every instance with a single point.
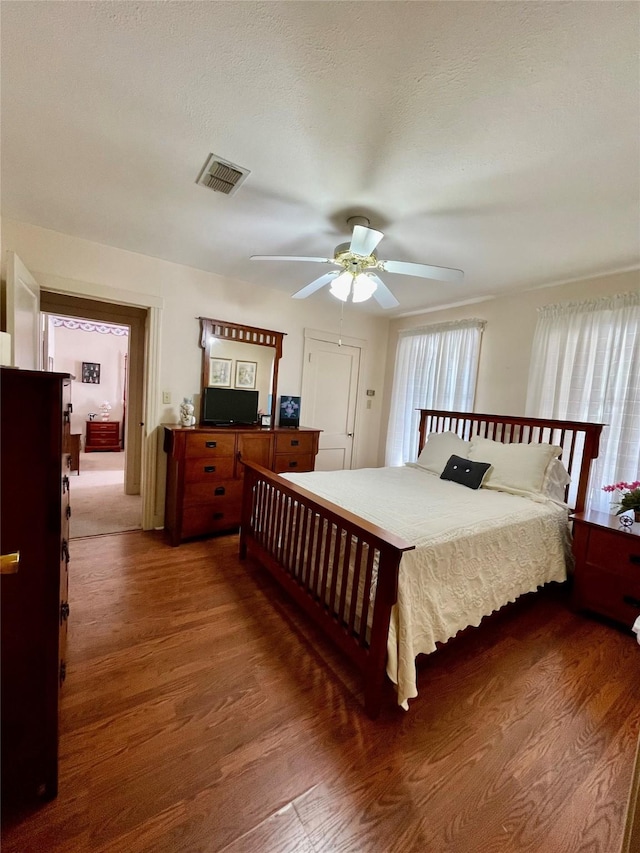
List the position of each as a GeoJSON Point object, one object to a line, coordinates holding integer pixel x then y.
{"type": "Point", "coordinates": [358, 262]}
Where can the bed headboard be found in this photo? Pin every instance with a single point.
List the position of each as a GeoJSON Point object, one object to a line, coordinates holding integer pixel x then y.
{"type": "Point", "coordinates": [579, 441]}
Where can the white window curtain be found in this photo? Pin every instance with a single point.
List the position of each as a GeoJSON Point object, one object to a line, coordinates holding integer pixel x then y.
{"type": "Point", "coordinates": [585, 366]}
{"type": "Point", "coordinates": [436, 368]}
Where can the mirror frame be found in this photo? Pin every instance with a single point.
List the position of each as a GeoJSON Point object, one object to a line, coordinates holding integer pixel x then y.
{"type": "Point", "coordinates": [241, 334]}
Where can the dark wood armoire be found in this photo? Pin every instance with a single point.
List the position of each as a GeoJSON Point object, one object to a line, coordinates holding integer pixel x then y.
{"type": "Point", "coordinates": [34, 512]}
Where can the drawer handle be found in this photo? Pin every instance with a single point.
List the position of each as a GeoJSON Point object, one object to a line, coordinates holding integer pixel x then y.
{"type": "Point", "coordinates": [631, 601]}
{"type": "Point", "coordinates": [10, 563]}
{"type": "Point", "coordinates": [209, 469]}
{"type": "Point", "coordinates": [219, 490]}
{"type": "Point", "coordinates": [217, 516]}
{"type": "Point", "coordinates": [211, 444]}
{"type": "Point", "coordinates": [635, 559]}
{"type": "Point", "coordinates": [294, 442]}
{"type": "Point", "coordinates": [293, 464]}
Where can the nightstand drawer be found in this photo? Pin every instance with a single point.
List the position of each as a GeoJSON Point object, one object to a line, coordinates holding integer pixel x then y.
{"type": "Point", "coordinates": [97, 427]}
{"type": "Point", "coordinates": [619, 554]}
{"type": "Point", "coordinates": [607, 593]}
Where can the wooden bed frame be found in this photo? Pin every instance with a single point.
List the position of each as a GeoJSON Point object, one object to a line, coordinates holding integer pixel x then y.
{"type": "Point", "coordinates": [293, 534]}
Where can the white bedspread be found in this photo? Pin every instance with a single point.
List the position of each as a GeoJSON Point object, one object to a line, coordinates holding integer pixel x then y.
{"type": "Point", "coordinates": [475, 551]}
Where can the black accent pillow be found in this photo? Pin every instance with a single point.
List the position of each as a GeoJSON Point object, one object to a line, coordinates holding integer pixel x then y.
{"type": "Point", "coordinates": [465, 472]}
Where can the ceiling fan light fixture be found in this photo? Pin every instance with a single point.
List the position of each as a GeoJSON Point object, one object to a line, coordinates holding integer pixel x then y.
{"type": "Point", "coordinates": [341, 286]}
{"type": "Point", "coordinates": [363, 288]}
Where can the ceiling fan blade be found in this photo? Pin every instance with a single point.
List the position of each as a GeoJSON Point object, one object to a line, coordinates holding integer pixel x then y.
{"type": "Point", "coordinates": [423, 270]}
{"type": "Point", "coordinates": [382, 294]}
{"type": "Point", "coordinates": [364, 240]}
{"type": "Point", "coordinates": [289, 258]}
{"type": "Point", "coordinates": [315, 285]}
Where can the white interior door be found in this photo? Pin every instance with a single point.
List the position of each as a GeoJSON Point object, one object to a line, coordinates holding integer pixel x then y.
{"type": "Point", "coordinates": [328, 400]}
{"type": "Point", "coordinates": [23, 315]}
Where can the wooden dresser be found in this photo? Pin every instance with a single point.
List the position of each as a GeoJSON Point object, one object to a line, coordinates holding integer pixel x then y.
{"type": "Point", "coordinates": [102, 435]}
{"type": "Point", "coordinates": [204, 472]}
{"type": "Point", "coordinates": [607, 570]}
{"type": "Point", "coordinates": [34, 580]}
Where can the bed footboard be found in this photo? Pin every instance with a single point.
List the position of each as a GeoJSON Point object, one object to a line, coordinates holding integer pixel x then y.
{"type": "Point", "coordinates": [340, 569]}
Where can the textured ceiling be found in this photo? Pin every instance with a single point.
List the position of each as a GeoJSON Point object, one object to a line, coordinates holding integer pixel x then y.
{"type": "Point", "coordinates": [499, 138]}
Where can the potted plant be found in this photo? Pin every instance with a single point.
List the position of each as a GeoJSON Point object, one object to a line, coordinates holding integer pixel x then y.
{"type": "Point", "coordinates": [630, 497]}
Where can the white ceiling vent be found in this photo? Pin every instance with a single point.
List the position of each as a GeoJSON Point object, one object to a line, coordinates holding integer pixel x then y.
{"type": "Point", "coordinates": [220, 175]}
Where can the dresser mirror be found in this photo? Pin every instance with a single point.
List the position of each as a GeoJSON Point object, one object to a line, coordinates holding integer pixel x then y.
{"type": "Point", "coordinates": [243, 358]}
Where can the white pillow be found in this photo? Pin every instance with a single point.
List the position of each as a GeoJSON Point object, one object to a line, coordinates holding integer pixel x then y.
{"type": "Point", "coordinates": [556, 478]}
{"type": "Point", "coordinates": [517, 468]}
{"type": "Point", "coordinates": [438, 449]}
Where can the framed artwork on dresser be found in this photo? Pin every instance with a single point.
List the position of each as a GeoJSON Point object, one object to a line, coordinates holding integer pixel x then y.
{"type": "Point", "coordinates": [91, 372]}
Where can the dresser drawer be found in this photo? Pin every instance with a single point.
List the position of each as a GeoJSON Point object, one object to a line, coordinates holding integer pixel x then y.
{"type": "Point", "coordinates": [293, 462]}
{"type": "Point", "coordinates": [615, 553]}
{"type": "Point", "coordinates": [214, 492]}
{"type": "Point", "coordinates": [212, 517]}
{"type": "Point", "coordinates": [609, 594]}
{"type": "Point", "coordinates": [208, 470]}
{"type": "Point", "coordinates": [203, 444]}
{"type": "Point", "coordinates": [295, 442]}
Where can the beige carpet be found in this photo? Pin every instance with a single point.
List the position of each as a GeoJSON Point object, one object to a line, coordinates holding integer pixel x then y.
{"type": "Point", "coordinates": [98, 502]}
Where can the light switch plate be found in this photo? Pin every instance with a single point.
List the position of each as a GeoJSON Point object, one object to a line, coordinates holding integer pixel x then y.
{"type": "Point", "coordinates": [166, 397]}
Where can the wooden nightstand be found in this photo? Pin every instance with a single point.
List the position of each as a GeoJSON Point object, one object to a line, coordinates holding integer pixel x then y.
{"type": "Point", "coordinates": [102, 435]}
{"type": "Point", "coordinates": [607, 571]}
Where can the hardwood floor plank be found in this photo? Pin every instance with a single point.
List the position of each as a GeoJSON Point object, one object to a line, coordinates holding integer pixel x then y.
{"type": "Point", "coordinates": [201, 712]}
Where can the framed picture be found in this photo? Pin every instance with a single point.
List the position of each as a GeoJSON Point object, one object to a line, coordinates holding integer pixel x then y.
{"type": "Point", "coordinates": [91, 372]}
{"type": "Point", "coordinates": [246, 374]}
{"type": "Point", "coordinates": [220, 372]}
{"type": "Point", "coordinates": [289, 411]}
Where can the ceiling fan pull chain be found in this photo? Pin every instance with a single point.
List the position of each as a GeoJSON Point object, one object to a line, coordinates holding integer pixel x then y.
{"type": "Point", "coordinates": [341, 319]}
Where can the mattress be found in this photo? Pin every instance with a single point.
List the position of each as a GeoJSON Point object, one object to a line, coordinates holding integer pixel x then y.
{"type": "Point", "coordinates": [475, 551]}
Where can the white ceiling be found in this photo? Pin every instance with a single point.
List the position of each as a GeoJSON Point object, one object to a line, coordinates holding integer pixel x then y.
{"type": "Point", "coordinates": [499, 138]}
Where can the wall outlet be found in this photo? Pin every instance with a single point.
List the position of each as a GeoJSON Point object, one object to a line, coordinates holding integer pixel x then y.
{"type": "Point", "coordinates": [166, 397]}
{"type": "Point", "coordinates": [368, 404]}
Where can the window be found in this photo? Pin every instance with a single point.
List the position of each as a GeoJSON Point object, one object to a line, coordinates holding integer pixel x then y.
{"type": "Point", "coordinates": [436, 367]}
{"type": "Point", "coordinates": [585, 366]}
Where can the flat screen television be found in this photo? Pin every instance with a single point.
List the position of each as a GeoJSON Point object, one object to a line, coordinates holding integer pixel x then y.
{"type": "Point", "coordinates": [229, 407]}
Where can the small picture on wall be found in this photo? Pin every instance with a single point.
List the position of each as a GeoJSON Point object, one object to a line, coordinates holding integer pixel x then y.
{"type": "Point", "coordinates": [220, 372]}
{"type": "Point", "coordinates": [246, 374]}
{"type": "Point", "coordinates": [91, 372]}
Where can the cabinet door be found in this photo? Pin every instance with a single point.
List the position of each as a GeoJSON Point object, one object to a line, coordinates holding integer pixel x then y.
{"type": "Point", "coordinates": [256, 447]}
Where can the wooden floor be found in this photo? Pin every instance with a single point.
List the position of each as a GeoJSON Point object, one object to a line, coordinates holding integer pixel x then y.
{"type": "Point", "coordinates": [200, 714]}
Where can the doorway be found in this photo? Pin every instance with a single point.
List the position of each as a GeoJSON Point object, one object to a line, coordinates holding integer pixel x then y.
{"type": "Point", "coordinates": [330, 378]}
{"type": "Point", "coordinates": [108, 489]}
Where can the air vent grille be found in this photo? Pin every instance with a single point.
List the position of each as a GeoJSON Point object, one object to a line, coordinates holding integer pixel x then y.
{"type": "Point", "coordinates": [220, 175]}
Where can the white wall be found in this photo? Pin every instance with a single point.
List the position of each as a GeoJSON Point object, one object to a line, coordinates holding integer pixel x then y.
{"type": "Point", "coordinates": [505, 354]}
{"type": "Point", "coordinates": [65, 264]}
{"type": "Point", "coordinates": [71, 348]}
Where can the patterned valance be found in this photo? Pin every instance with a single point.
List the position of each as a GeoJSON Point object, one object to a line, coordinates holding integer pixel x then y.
{"type": "Point", "coordinates": [89, 326]}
